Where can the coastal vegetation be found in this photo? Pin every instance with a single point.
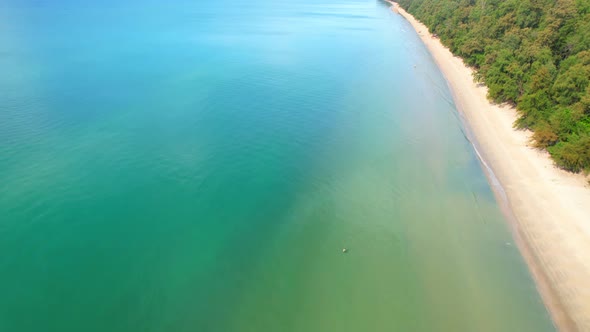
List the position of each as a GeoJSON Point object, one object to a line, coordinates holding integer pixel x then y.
{"type": "Point", "coordinates": [532, 54]}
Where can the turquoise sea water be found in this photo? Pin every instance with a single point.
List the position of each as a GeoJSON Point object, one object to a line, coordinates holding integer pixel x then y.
{"type": "Point", "coordinates": [199, 166]}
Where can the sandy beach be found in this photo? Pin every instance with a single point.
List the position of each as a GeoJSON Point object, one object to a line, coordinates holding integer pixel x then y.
{"type": "Point", "coordinates": [550, 208]}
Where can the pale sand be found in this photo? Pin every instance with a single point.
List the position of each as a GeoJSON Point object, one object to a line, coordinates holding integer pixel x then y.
{"type": "Point", "coordinates": [551, 207]}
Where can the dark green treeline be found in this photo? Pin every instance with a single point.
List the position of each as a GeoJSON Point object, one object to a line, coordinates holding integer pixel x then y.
{"type": "Point", "coordinates": [534, 54]}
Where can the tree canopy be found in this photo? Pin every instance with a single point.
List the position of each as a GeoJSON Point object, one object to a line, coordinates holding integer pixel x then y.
{"type": "Point", "coordinates": [533, 54]}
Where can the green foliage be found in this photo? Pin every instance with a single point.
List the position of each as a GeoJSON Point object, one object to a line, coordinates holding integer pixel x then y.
{"type": "Point", "coordinates": [570, 85]}
{"type": "Point", "coordinates": [544, 136]}
{"type": "Point", "coordinates": [565, 122]}
{"type": "Point", "coordinates": [574, 154]}
{"type": "Point", "coordinates": [534, 54]}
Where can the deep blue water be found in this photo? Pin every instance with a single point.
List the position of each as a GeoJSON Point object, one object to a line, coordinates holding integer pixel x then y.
{"type": "Point", "coordinates": [199, 166]}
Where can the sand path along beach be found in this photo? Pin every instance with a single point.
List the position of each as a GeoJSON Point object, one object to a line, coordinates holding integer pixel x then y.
{"type": "Point", "coordinates": [550, 208]}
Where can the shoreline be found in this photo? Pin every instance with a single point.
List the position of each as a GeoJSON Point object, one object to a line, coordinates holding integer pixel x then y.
{"type": "Point", "coordinates": [547, 208]}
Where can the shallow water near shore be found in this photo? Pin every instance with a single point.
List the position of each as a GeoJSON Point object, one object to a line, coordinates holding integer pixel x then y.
{"type": "Point", "coordinates": [200, 167]}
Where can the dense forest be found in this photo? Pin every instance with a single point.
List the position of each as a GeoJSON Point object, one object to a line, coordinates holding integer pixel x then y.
{"type": "Point", "coordinates": [533, 54]}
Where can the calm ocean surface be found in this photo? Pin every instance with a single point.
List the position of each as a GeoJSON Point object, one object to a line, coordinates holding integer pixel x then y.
{"type": "Point", "coordinates": [199, 166]}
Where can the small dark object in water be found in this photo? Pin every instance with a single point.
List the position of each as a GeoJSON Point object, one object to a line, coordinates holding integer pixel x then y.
{"type": "Point", "coordinates": [344, 250]}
